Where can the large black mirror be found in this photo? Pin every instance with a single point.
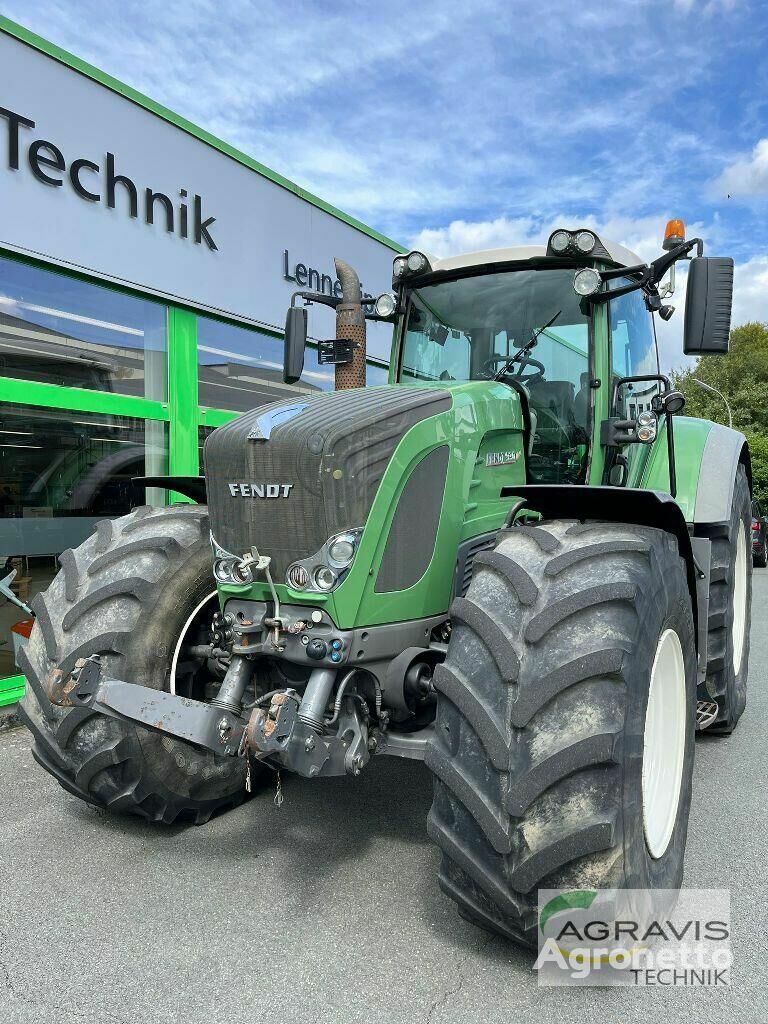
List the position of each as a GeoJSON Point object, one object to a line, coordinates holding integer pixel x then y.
{"type": "Point", "coordinates": [295, 342]}
{"type": "Point", "coordinates": [708, 303]}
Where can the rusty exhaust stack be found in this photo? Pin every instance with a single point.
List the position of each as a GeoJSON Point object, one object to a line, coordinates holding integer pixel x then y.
{"type": "Point", "coordinates": [350, 324]}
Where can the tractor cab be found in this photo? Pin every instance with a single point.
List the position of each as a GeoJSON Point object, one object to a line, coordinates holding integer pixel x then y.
{"type": "Point", "coordinates": [507, 316]}
{"type": "Point", "coordinates": [568, 327]}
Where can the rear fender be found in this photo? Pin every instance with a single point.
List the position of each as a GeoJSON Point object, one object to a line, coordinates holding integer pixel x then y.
{"type": "Point", "coordinates": [723, 451]}
{"type": "Point", "coordinates": [706, 458]}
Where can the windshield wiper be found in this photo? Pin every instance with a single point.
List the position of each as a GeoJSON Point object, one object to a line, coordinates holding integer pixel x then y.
{"type": "Point", "coordinates": [526, 348]}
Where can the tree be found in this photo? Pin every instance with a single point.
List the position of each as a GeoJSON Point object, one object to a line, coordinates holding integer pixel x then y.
{"type": "Point", "coordinates": [742, 376]}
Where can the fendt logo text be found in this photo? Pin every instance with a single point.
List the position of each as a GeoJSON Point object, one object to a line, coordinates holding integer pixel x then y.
{"type": "Point", "coordinates": [260, 490]}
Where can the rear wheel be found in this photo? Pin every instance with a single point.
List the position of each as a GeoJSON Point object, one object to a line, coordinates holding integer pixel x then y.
{"type": "Point", "coordinates": [730, 602]}
{"type": "Point", "coordinates": [563, 752]}
{"type": "Point", "coordinates": [140, 594]}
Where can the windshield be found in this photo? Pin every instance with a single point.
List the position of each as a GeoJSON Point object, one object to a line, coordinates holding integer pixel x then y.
{"type": "Point", "coordinates": [474, 328]}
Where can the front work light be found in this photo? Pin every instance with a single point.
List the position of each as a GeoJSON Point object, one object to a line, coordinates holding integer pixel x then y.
{"type": "Point", "coordinates": [403, 266]}
{"type": "Point", "coordinates": [417, 262]}
{"type": "Point", "coordinates": [585, 241]}
{"type": "Point", "coordinates": [586, 281]}
{"type": "Point", "coordinates": [385, 305]}
{"type": "Point", "coordinates": [579, 243]}
{"type": "Point", "coordinates": [560, 241]}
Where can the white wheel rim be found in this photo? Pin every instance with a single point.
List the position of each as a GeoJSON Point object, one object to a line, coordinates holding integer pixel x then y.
{"type": "Point", "coordinates": [182, 635]}
{"type": "Point", "coordinates": [739, 599]}
{"type": "Point", "coordinates": [664, 743]}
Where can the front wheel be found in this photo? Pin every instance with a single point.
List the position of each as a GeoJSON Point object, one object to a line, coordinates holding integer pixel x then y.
{"type": "Point", "coordinates": [563, 750]}
{"type": "Point", "coordinates": [140, 593]}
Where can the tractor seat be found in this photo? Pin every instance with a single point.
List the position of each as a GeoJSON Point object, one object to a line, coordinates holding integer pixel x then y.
{"type": "Point", "coordinates": [555, 395]}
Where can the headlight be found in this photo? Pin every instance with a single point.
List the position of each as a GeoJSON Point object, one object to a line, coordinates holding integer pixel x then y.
{"type": "Point", "coordinates": [324, 578]}
{"type": "Point", "coordinates": [222, 569]}
{"type": "Point", "coordinates": [385, 305]}
{"type": "Point", "coordinates": [586, 281]}
{"type": "Point", "coordinates": [341, 550]}
{"type": "Point", "coordinates": [326, 569]}
{"type": "Point", "coordinates": [231, 570]}
{"type": "Point", "coordinates": [399, 266]}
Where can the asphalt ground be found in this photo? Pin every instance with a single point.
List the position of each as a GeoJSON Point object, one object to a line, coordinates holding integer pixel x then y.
{"type": "Point", "coordinates": [327, 908]}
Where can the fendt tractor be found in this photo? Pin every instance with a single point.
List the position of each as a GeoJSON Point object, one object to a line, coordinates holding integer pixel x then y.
{"type": "Point", "coordinates": [516, 562]}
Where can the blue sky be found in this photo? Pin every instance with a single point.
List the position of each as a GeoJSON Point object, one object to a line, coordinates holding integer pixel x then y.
{"type": "Point", "coordinates": [460, 125]}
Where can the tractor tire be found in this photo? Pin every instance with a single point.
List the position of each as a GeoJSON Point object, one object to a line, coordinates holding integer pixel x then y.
{"type": "Point", "coordinates": [126, 594]}
{"type": "Point", "coordinates": [538, 756]}
{"type": "Point", "coordinates": [730, 606]}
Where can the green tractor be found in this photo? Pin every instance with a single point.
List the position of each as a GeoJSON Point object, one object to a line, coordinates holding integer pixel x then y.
{"type": "Point", "coordinates": [516, 562]}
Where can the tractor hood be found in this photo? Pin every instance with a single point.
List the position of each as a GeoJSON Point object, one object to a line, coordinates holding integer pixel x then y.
{"type": "Point", "coordinates": [286, 477]}
{"type": "Point", "coordinates": [416, 471]}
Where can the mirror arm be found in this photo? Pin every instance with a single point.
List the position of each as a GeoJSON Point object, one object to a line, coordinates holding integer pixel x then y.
{"type": "Point", "coordinates": [333, 301]}
{"type": "Point", "coordinates": [648, 275]}
{"type": "Point", "coordinates": [309, 297]}
{"type": "Point", "coordinates": [660, 266]}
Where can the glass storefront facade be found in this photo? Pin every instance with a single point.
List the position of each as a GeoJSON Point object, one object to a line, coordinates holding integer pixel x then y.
{"type": "Point", "coordinates": [98, 386]}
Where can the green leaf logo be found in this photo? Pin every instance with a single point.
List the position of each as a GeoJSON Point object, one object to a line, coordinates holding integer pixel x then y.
{"type": "Point", "coordinates": [577, 899]}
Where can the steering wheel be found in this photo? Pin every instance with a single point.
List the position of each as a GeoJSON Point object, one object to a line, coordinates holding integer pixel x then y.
{"type": "Point", "coordinates": [523, 360]}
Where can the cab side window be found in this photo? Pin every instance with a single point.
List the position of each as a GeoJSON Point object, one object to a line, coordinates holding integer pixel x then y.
{"type": "Point", "coordinates": [633, 348]}
{"type": "Point", "coordinates": [633, 351]}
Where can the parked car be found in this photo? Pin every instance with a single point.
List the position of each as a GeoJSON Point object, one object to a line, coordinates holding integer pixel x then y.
{"type": "Point", "coordinates": [759, 537]}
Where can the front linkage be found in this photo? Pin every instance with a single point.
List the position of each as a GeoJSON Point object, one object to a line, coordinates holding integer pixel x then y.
{"type": "Point", "coordinates": [288, 728]}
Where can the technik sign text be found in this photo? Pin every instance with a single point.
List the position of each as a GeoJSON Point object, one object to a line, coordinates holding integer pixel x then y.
{"type": "Point", "coordinates": [100, 184]}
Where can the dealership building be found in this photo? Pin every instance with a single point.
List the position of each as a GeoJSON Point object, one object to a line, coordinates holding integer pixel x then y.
{"type": "Point", "coordinates": [145, 271]}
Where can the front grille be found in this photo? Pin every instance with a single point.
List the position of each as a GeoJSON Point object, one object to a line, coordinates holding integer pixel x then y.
{"type": "Point", "coordinates": [333, 452]}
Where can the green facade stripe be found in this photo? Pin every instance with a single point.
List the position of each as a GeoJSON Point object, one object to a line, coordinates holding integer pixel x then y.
{"type": "Point", "coordinates": [182, 395]}
{"type": "Point", "coordinates": [56, 396]}
{"type": "Point", "coordinates": [11, 690]}
{"type": "Point", "coordinates": [11, 28]}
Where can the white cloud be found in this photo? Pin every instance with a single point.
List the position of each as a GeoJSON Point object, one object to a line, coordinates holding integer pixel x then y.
{"type": "Point", "coordinates": [748, 176]}
{"type": "Point", "coordinates": [470, 236]}
{"type": "Point", "coordinates": [750, 293]}
{"type": "Point", "coordinates": [643, 235]}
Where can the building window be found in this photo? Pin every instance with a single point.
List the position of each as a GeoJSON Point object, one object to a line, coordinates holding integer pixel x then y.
{"type": "Point", "coordinates": [240, 369]}
{"type": "Point", "coordinates": [55, 329]}
{"type": "Point", "coordinates": [60, 472]}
